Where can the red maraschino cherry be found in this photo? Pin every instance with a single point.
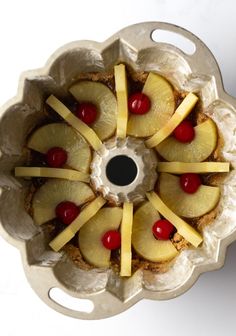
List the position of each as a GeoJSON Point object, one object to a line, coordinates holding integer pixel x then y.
{"type": "Point", "coordinates": [163, 229]}
{"type": "Point", "coordinates": [67, 212]}
{"type": "Point", "coordinates": [87, 112]}
{"type": "Point", "coordinates": [139, 103]}
{"type": "Point", "coordinates": [111, 240]}
{"type": "Point", "coordinates": [190, 182]}
{"type": "Point", "coordinates": [56, 157]}
{"type": "Point", "coordinates": [184, 132]}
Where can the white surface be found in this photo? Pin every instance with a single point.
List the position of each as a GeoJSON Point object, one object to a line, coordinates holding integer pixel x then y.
{"type": "Point", "coordinates": [30, 31]}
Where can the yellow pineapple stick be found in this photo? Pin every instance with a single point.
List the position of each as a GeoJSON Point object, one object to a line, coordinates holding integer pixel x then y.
{"type": "Point", "coordinates": [87, 132]}
{"type": "Point", "coordinates": [180, 114]}
{"type": "Point", "coordinates": [67, 234]}
{"type": "Point", "coordinates": [126, 234]}
{"type": "Point", "coordinates": [183, 228]}
{"type": "Point", "coordinates": [68, 174]}
{"type": "Point", "coordinates": [122, 100]}
{"type": "Point", "coordinates": [189, 167]}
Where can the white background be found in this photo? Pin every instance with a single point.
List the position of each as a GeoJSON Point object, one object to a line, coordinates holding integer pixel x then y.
{"type": "Point", "coordinates": [29, 32]}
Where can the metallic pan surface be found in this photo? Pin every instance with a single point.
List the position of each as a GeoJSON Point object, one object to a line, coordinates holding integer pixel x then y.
{"type": "Point", "coordinates": [45, 269]}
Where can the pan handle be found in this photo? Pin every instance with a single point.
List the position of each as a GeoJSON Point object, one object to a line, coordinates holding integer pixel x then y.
{"type": "Point", "coordinates": [139, 36]}
{"type": "Point", "coordinates": [98, 305]}
{"type": "Point", "coordinates": [93, 307]}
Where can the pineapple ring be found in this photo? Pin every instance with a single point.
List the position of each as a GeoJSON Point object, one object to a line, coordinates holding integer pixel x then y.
{"type": "Point", "coordinates": [187, 205]}
{"type": "Point", "coordinates": [199, 149]}
{"type": "Point", "coordinates": [156, 87]}
{"type": "Point", "coordinates": [91, 233]}
{"type": "Point", "coordinates": [156, 250]}
{"type": "Point", "coordinates": [103, 98]}
{"type": "Point", "coordinates": [55, 191]}
{"type": "Point", "coordinates": [62, 135]}
{"type": "Point", "coordinates": [161, 95]}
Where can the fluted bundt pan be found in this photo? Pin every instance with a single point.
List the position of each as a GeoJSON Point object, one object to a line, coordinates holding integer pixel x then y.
{"type": "Point", "coordinates": [46, 269]}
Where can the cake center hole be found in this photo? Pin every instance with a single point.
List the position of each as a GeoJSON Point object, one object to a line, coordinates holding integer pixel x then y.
{"type": "Point", "coordinates": [121, 170]}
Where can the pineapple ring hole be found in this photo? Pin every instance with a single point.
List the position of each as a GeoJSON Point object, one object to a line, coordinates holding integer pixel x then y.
{"type": "Point", "coordinates": [177, 40]}
{"type": "Point", "coordinates": [121, 170]}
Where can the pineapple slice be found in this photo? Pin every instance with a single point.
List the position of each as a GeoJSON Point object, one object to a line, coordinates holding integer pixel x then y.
{"type": "Point", "coordinates": [53, 192]}
{"type": "Point", "coordinates": [187, 205]}
{"type": "Point", "coordinates": [68, 233]}
{"type": "Point", "coordinates": [91, 233]}
{"type": "Point", "coordinates": [180, 114]}
{"type": "Point", "coordinates": [68, 174]}
{"type": "Point", "coordinates": [183, 228]}
{"type": "Point", "coordinates": [75, 122]}
{"type": "Point", "coordinates": [122, 100]}
{"type": "Point", "coordinates": [103, 98]}
{"type": "Point", "coordinates": [197, 150]}
{"type": "Point", "coordinates": [198, 167]}
{"type": "Point", "coordinates": [143, 240]}
{"type": "Point", "coordinates": [62, 135]}
{"type": "Point", "coordinates": [126, 234]}
{"type": "Point", "coordinates": [161, 95]}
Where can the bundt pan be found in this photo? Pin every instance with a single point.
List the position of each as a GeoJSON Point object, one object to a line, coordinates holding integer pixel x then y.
{"type": "Point", "coordinates": [46, 269]}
